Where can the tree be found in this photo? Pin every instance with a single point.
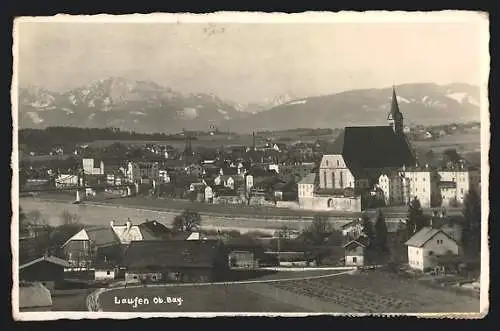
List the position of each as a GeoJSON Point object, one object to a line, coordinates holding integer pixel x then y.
{"type": "Point", "coordinates": [187, 221]}
{"type": "Point", "coordinates": [471, 233]}
{"type": "Point", "coordinates": [380, 240]}
{"type": "Point", "coordinates": [318, 231]}
{"type": "Point", "coordinates": [416, 219]}
{"type": "Point", "coordinates": [367, 228]}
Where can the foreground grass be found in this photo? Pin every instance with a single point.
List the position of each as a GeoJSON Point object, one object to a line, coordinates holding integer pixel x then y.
{"type": "Point", "coordinates": [370, 292]}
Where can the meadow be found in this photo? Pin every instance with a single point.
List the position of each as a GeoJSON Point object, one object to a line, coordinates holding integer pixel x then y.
{"type": "Point", "coordinates": [365, 292]}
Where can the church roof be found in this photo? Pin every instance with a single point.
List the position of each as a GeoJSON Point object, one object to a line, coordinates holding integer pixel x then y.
{"type": "Point", "coordinates": [394, 112]}
{"type": "Point", "coordinates": [372, 147]}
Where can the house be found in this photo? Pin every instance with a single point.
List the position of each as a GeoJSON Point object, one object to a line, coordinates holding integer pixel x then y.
{"type": "Point", "coordinates": [228, 171]}
{"type": "Point", "coordinates": [355, 251]}
{"type": "Point", "coordinates": [105, 272]}
{"type": "Point", "coordinates": [456, 181]}
{"type": "Point", "coordinates": [176, 260]}
{"type": "Point", "coordinates": [67, 180]}
{"type": "Point", "coordinates": [92, 245]}
{"type": "Point", "coordinates": [89, 166]}
{"type": "Point", "coordinates": [225, 180]}
{"type": "Point", "coordinates": [306, 191]}
{"type": "Point", "coordinates": [47, 269]}
{"type": "Point", "coordinates": [156, 229]}
{"type": "Point", "coordinates": [138, 170]}
{"type": "Point", "coordinates": [242, 260]}
{"type": "Point", "coordinates": [352, 229]}
{"type": "Point", "coordinates": [209, 194]}
{"type": "Point", "coordinates": [427, 244]}
{"type": "Point", "coordinates": [422, 183]}
{"type": "Point", "coordinates": [126, 233]}
{"type": "Point", "coordinates": [163, 176]}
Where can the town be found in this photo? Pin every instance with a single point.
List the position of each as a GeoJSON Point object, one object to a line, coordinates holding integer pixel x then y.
{"type": "Point", "coordinates": [356, 198]}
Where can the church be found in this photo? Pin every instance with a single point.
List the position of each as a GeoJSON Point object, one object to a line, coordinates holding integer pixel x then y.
{"type": "Point", "coordinates": [354, 163]}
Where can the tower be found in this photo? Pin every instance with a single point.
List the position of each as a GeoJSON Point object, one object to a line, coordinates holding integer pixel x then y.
{"type": "Point", "coordinates": [395, 117]}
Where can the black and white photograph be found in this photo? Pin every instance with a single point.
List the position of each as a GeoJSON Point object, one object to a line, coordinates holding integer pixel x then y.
{"type": "Point", "coordinates": [264, 164]}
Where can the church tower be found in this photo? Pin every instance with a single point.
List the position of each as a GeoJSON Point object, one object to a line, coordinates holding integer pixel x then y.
{"type": "Point", "coordinates": [395, 117]}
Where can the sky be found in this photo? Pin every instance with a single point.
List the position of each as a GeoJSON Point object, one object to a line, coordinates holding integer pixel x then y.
{"type": "Point", "coordinates": [248, 62]}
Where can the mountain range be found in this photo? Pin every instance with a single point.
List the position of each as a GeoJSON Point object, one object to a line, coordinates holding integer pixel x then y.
{"type": "Point", "coordinates": [145, 106]}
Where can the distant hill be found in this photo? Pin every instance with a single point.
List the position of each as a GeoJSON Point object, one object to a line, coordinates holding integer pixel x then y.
{"type": "Point", "coordinates": [148, 107]}
{"type": "Point", "coordinates": [420, 104]}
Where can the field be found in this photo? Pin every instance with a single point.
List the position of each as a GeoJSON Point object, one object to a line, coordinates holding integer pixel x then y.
{"type": "Point", "coordinates": [368, 292]}
{"type": "Point", "coordinates": [463, 142]}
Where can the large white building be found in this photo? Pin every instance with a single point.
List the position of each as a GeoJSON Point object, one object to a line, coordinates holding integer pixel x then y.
{"type": "Point", "coordinates": [431, 187]}
{"type": "Point", "coordinates": [455, 183]}
{"type": "Point", "coordinates": [427, 244]}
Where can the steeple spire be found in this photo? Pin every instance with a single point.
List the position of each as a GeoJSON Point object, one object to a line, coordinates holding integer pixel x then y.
{"type": "Point", "coordinates": [395, 117]}
{"type": "Point", "coordinates": [394, 105]}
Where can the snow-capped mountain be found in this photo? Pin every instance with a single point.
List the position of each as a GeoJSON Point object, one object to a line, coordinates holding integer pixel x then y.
{"type": "Point", "coordinates": [423, 103]}
{"type": "Point", "coordinates": [148, 107]}
{"type": "Point", "coordinates": [266, 104]}
{"type": "Point", "coordinates": [123, 103]}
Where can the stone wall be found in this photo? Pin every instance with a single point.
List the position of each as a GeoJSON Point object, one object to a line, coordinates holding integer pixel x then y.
{"type": "Point", "coordinates": [337, 203]}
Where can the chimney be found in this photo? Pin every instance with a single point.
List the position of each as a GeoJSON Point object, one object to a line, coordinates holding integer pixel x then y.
{"type": "Point", "coordinates": [112, 223]}
{"type": "Point", "coordinates": [128, 224]}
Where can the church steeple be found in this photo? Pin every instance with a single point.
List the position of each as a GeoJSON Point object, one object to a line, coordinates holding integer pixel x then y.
{"type": "Point", "coordinates": [395, 117]}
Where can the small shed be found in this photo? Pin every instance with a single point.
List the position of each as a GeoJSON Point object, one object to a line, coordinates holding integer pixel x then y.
{"type": "Point", "coordinates": [355, 251]}
{"type": "Point", "coordinates": [46, 269]}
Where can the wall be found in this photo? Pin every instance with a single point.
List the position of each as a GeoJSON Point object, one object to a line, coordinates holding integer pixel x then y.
{"type": "Point", "coordinates": [104, 274]}
{"type": "Point", "coordinates": [350, 260]}
{"type": "Point", "coordinates": [352, 204]}
{"type": "Point", "coordinates": [420, 187]}
{"type": "Point", "coordinates": [438, 248]}
{"type": "Point", "coordinates": [305, 190]}
{"type": "Point", "coordinates": [334, 173]}
{"type": "Point", "coordinates": [415, 258]}
{"type": "Point", "coordinates": [132, 276]}
{"type": "Point", "coordinates": [287, 204]}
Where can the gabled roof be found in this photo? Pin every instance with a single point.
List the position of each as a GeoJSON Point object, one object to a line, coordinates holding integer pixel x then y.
{"type": "Point", "coordinates": [360, 241]}
{"type": "Point", "coordinates": [171, 253]}
{"type": "Point", "coordinates": [99, 236]}
{"type": "Point", "coordinates": [50, 259]}
{"type": "Point", "coordinates": [229, 171]}
{"type": "Point", "coordinates": [424, 235]}
{"type": "Point", "coordinates": [127, 235]}
{"type": "Point", "coordinates": [154, 229]}
{"type": "Point", "coordinates": [371, 147]}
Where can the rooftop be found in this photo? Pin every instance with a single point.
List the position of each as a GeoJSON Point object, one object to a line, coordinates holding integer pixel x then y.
{"type": "Point", "coordinates": [372, 147]}
{"type": "Point", "coordinates": [309, 179]}
{"type": "Point", "coordinates": [424, 235]}
{"type": "Point", "coordinates": [172, 253]}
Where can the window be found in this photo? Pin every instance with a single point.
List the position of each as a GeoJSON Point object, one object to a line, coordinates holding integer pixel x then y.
{"type": "Point", "coordinates": [354, 259]}
{"type": "Point", "coordinates": [431, 253]}
{"type": "Point", "coordinates": [440, 241]}
{"type": "Point", "coordinates": [327, 163]}
{"type": "Point", "coordinates": [338, 163]}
